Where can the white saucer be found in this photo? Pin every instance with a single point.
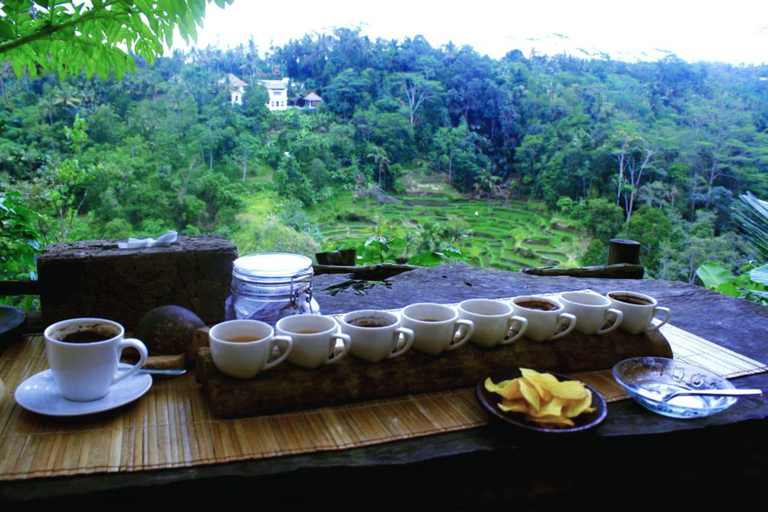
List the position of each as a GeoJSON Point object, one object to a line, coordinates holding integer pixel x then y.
{"type": "Point", "coordinates": [40, 394]}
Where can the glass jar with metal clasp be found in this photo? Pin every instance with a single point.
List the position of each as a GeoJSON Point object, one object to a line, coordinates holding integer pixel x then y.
{"type": "Point", "coordinates": [270, 286]}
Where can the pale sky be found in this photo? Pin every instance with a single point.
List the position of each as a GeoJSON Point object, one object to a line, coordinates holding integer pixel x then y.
{"type": "Point", "coordinates": [733, 31]}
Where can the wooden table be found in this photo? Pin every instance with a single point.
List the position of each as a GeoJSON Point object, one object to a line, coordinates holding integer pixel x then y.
{"type": "Point", "coordinates": [634, 458]}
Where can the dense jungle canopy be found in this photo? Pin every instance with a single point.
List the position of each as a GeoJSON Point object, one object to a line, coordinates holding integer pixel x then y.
{"type": "Point", "coordinates": [662, 152]}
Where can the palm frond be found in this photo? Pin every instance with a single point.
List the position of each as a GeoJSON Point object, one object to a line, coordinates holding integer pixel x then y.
{"type": "Point", "coordinates": [751, 217]}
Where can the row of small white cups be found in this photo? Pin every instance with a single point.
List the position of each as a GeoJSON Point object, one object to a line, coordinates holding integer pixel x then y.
{"type": "Point", "coordinates": [309, 341]}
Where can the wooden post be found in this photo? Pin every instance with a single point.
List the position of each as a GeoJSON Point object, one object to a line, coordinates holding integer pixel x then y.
{"type": "Point", "coordinates": [623, 251]}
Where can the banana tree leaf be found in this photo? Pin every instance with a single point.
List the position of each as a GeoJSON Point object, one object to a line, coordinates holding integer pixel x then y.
{"type": "Point", "coordinates": [760, 275]}
{"type": "Point", "coordinates": [730, 288]}
{"type": "Point", "coordinates": [713, 275]}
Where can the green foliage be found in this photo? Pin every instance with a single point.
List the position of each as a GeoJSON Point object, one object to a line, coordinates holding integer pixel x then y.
{"type": "Point", "coordinates": [93, 37]}
{"type": "Point", "coordinates": [603, 218]}
{"type": "Point", "coordinates": [117, 229]}
{"type": "Point", "coordinates": [654, 151]}
{"type": "Point", "coordinates": [751, 215]}
{"type": "Point", "coordinates": [651, 228]}
{"type": "Point", "coordinates": [274, 236]}
{"type": "Point", "coordinates": [19, 245]}
{"type": "Point", "coordinates": [19, 237]}
{"type": "Point", "coordinates": [596, 253]}
{"type": "Point", "coordinates": [751, 283]}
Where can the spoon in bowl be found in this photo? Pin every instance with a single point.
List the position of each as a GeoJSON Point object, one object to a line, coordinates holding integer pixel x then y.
{"type": "Point", "coordinates": [711, 392]}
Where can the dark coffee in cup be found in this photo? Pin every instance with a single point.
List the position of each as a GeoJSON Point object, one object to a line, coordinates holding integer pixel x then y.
{"type": "Point", "coordinates": [241, 339]}
{"type": "Point", "coordinates": [370, 322]}
{"type": "Point", "coordinates": [85, 337]}
{"type": "Point", "coordinates": [632, 299]}
{"type": "Point", "coordinates": [539, 305]}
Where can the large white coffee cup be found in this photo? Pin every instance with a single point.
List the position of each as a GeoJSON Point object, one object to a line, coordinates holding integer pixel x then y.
{"type": "Point", "coordinates": [243, 348]}
{"type": "Point", "coordinates": [436, 328]}
{"type": "Point", "coordinates": [314, 340]}
{"type": "Point", "coordinates": [546, 317]}
{"type": "Point", "coordinates": [639, 311]}
{"type": "Point", "coordinates": [592, 312]}
{"type": "Point", "coordinates": [84, 354]}
{"type": "Point", "coordinates": [494, 322]}
{"type": "Point", "coordinates": [376, 335]}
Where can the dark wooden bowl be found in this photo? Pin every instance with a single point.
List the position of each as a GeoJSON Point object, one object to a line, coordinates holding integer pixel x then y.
{"type": "Point", "coordinates": [12, 322]}
{"type": "Point", "coordinates": [583, 422]}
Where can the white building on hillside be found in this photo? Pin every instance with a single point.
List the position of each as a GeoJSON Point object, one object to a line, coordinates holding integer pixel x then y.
{"type": "Point", "coordinates": [236, 88]}
{"type": "Point", "coordinates": [278, 93]}
{"type": "Point", "coordinates": [277, 89]}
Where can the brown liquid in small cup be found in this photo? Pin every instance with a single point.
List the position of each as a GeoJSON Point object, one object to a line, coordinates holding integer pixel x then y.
{"type": "Point", "coordinates": [308, 331]}
{"type": "Point", "coordinates": [86, 337]}
{"type": "Point", "coordinates": [242, 339]}
{"type": "Point", "coordinates": [370, 322]}
{"type": "Point", "coordinates": [539, 305]}
{"type": "Point", "coordinates": [429, 320]}
{"type": "Point", "coordinates": [631, 299]}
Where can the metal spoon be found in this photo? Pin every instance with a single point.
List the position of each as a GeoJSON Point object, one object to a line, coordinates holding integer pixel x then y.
{"type": "Point", "coordinates": [155, 372]}
{"type": "Point", "coordinates": [713, 392]}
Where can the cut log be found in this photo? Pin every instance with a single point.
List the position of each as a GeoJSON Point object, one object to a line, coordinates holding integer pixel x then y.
{"type": "Point", "coordinates": [97, 279]}
{"type": "Point", "coordinates": [288, 388]}
{"type": "Point", "coordinates": [620, 271]}
{"type": "Point", "coordinates": [346, 257]}
{"type": "Point", "coordinates": [373, 272]}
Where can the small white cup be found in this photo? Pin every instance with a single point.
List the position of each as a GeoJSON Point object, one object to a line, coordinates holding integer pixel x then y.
{"type": "Point", "coordinates": [87, 370]}
{"type": "Point", "coordinates": [376, 335]}
{"type": "Point", "coordinates": [242, 348]}
{"type": "Point", "coordinates": [314, 340]}
{"type": "Point", "coordinates": [592, 311]}
{"type": "Point", "coordinates": [639, 311]}
{"type": "Point", "coordinates": [543, 324]}
{"type": "Point", "coordinates": [493, 320]}
{"type": "Point", "coordinates": [435, 327]}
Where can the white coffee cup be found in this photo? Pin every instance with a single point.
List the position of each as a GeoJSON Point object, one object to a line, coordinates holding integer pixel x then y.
{"type": "Point", "coordinates": [86, 370]}
{"type": "Point", "coordinates": [639, 311]}
{"type": "Point", "coordinates": [436, 328]}
{"type": "Point", "coordinates": [376, 335]}
{"type": "Point", "coordinates": [543, 324]}
{"type": "Point", "coordinates": [243, 348]}
{"type": "Point", "coordinates": [314, 340]}
{"type": "Point", "coordinates": [493, 320]}
{"type": "Point", "coordinates": [592, 312]}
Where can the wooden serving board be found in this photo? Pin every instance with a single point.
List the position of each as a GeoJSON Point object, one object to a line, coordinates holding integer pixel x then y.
{"type": "Point", "coordinates": [289, 388]}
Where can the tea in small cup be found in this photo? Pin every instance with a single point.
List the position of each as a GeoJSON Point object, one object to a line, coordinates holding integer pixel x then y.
{"type": "Point", "coordinates": [84, 354]}
{"type": "Point", "coordinates": [314, 340]}
{"type": "Point", "coordinates": [593, 311]}
{"type": "Point", "coordinates": [546, 317]}
{"type": "Point", "coordinates": [243, 348]}
{"type": "Point", "coordinates": [376, 335]}
{"type": "Point", "coordinates": [494, 322]}
{"type": "Point", "coordinates": [437, 328]}
{"type": "Point", "coordinates": [639, 311]}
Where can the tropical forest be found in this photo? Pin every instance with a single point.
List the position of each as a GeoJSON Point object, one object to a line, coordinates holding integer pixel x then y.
{"type": "Point", "coordinates": [408, 153]}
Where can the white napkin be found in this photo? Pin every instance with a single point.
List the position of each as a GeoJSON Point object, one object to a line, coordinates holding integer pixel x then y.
{"type": "Point", "coordinates": [138, 243]}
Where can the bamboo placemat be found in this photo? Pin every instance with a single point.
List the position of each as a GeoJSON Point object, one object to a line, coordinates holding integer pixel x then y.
{"type": "Point", "coordinates": [171, 426]}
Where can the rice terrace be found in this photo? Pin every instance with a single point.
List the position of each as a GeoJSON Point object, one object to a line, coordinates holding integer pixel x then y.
{"type": "Point", "coordinates": [500, 235]}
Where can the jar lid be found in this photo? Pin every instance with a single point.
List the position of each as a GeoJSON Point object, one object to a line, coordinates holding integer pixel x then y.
{"type": "Point", "coordinates": [272, 267]}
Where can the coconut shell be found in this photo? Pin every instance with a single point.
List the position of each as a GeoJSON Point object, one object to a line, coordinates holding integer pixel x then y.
{"type": "Point", "coordinates": [168, 330]}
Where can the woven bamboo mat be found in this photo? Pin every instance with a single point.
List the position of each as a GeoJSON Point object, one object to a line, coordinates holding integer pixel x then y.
{"type": "Point", "coordinates": [171, 426]}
